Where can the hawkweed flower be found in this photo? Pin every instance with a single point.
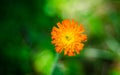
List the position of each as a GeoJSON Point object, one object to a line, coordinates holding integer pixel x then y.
{"type": "Point", "coordinates": [68, 36]}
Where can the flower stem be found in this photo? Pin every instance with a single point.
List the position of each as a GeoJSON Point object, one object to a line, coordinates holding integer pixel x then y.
{"type": "Point", "coordinates": [55, 64]}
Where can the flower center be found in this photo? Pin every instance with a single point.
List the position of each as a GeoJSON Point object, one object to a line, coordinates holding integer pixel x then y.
{"type": "Point", "coordinates": [67, 38]}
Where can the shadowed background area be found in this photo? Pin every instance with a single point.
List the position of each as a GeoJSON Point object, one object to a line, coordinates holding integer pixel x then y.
{"type": "Point", "coordinates": [25, 37]}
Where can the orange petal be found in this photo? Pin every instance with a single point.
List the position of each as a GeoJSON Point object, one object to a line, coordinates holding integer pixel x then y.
{"type": "Point", "coordinates": [66, 23]}
{"type": "Point", "coordinates": [55, 29]}
{"type": "Point", "coordinates": [59, 25]}
{"type": "Point", "coordinates": [70, 53]}
{"type": "Point", "coordinates": [65, 52]}
{"type": "Point", "coordinates": [81, 29]}
{"type": "Point", "coordinates": [58, 49]}
{"type": "Point", "coordinates": [79, 46]}
{"type": "Point", "coordinates": [83, 37]}
{"type": "Point", "coordinates": [53, 42]}
{"type": "Point", "coordinates": [78, 51]}
{"type": "Point", "coordinates": [53, 33]}
{"type": "Point", "coordinates": [73, 22]}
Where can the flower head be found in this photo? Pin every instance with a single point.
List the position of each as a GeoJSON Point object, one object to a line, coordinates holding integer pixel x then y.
{"type": "Point", "coordinates": [68, 36]}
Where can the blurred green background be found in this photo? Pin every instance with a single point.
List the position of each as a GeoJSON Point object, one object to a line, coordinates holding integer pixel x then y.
{"type": "Point", "coordinates": [25, 39]}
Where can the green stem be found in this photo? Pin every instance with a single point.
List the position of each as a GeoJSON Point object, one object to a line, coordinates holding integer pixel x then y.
{"type": "Point", "coordinates": [55, 64]}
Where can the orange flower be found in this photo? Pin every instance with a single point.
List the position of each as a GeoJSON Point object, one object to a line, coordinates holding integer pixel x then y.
{"type": "Point", "coordinates": [68, 37]}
